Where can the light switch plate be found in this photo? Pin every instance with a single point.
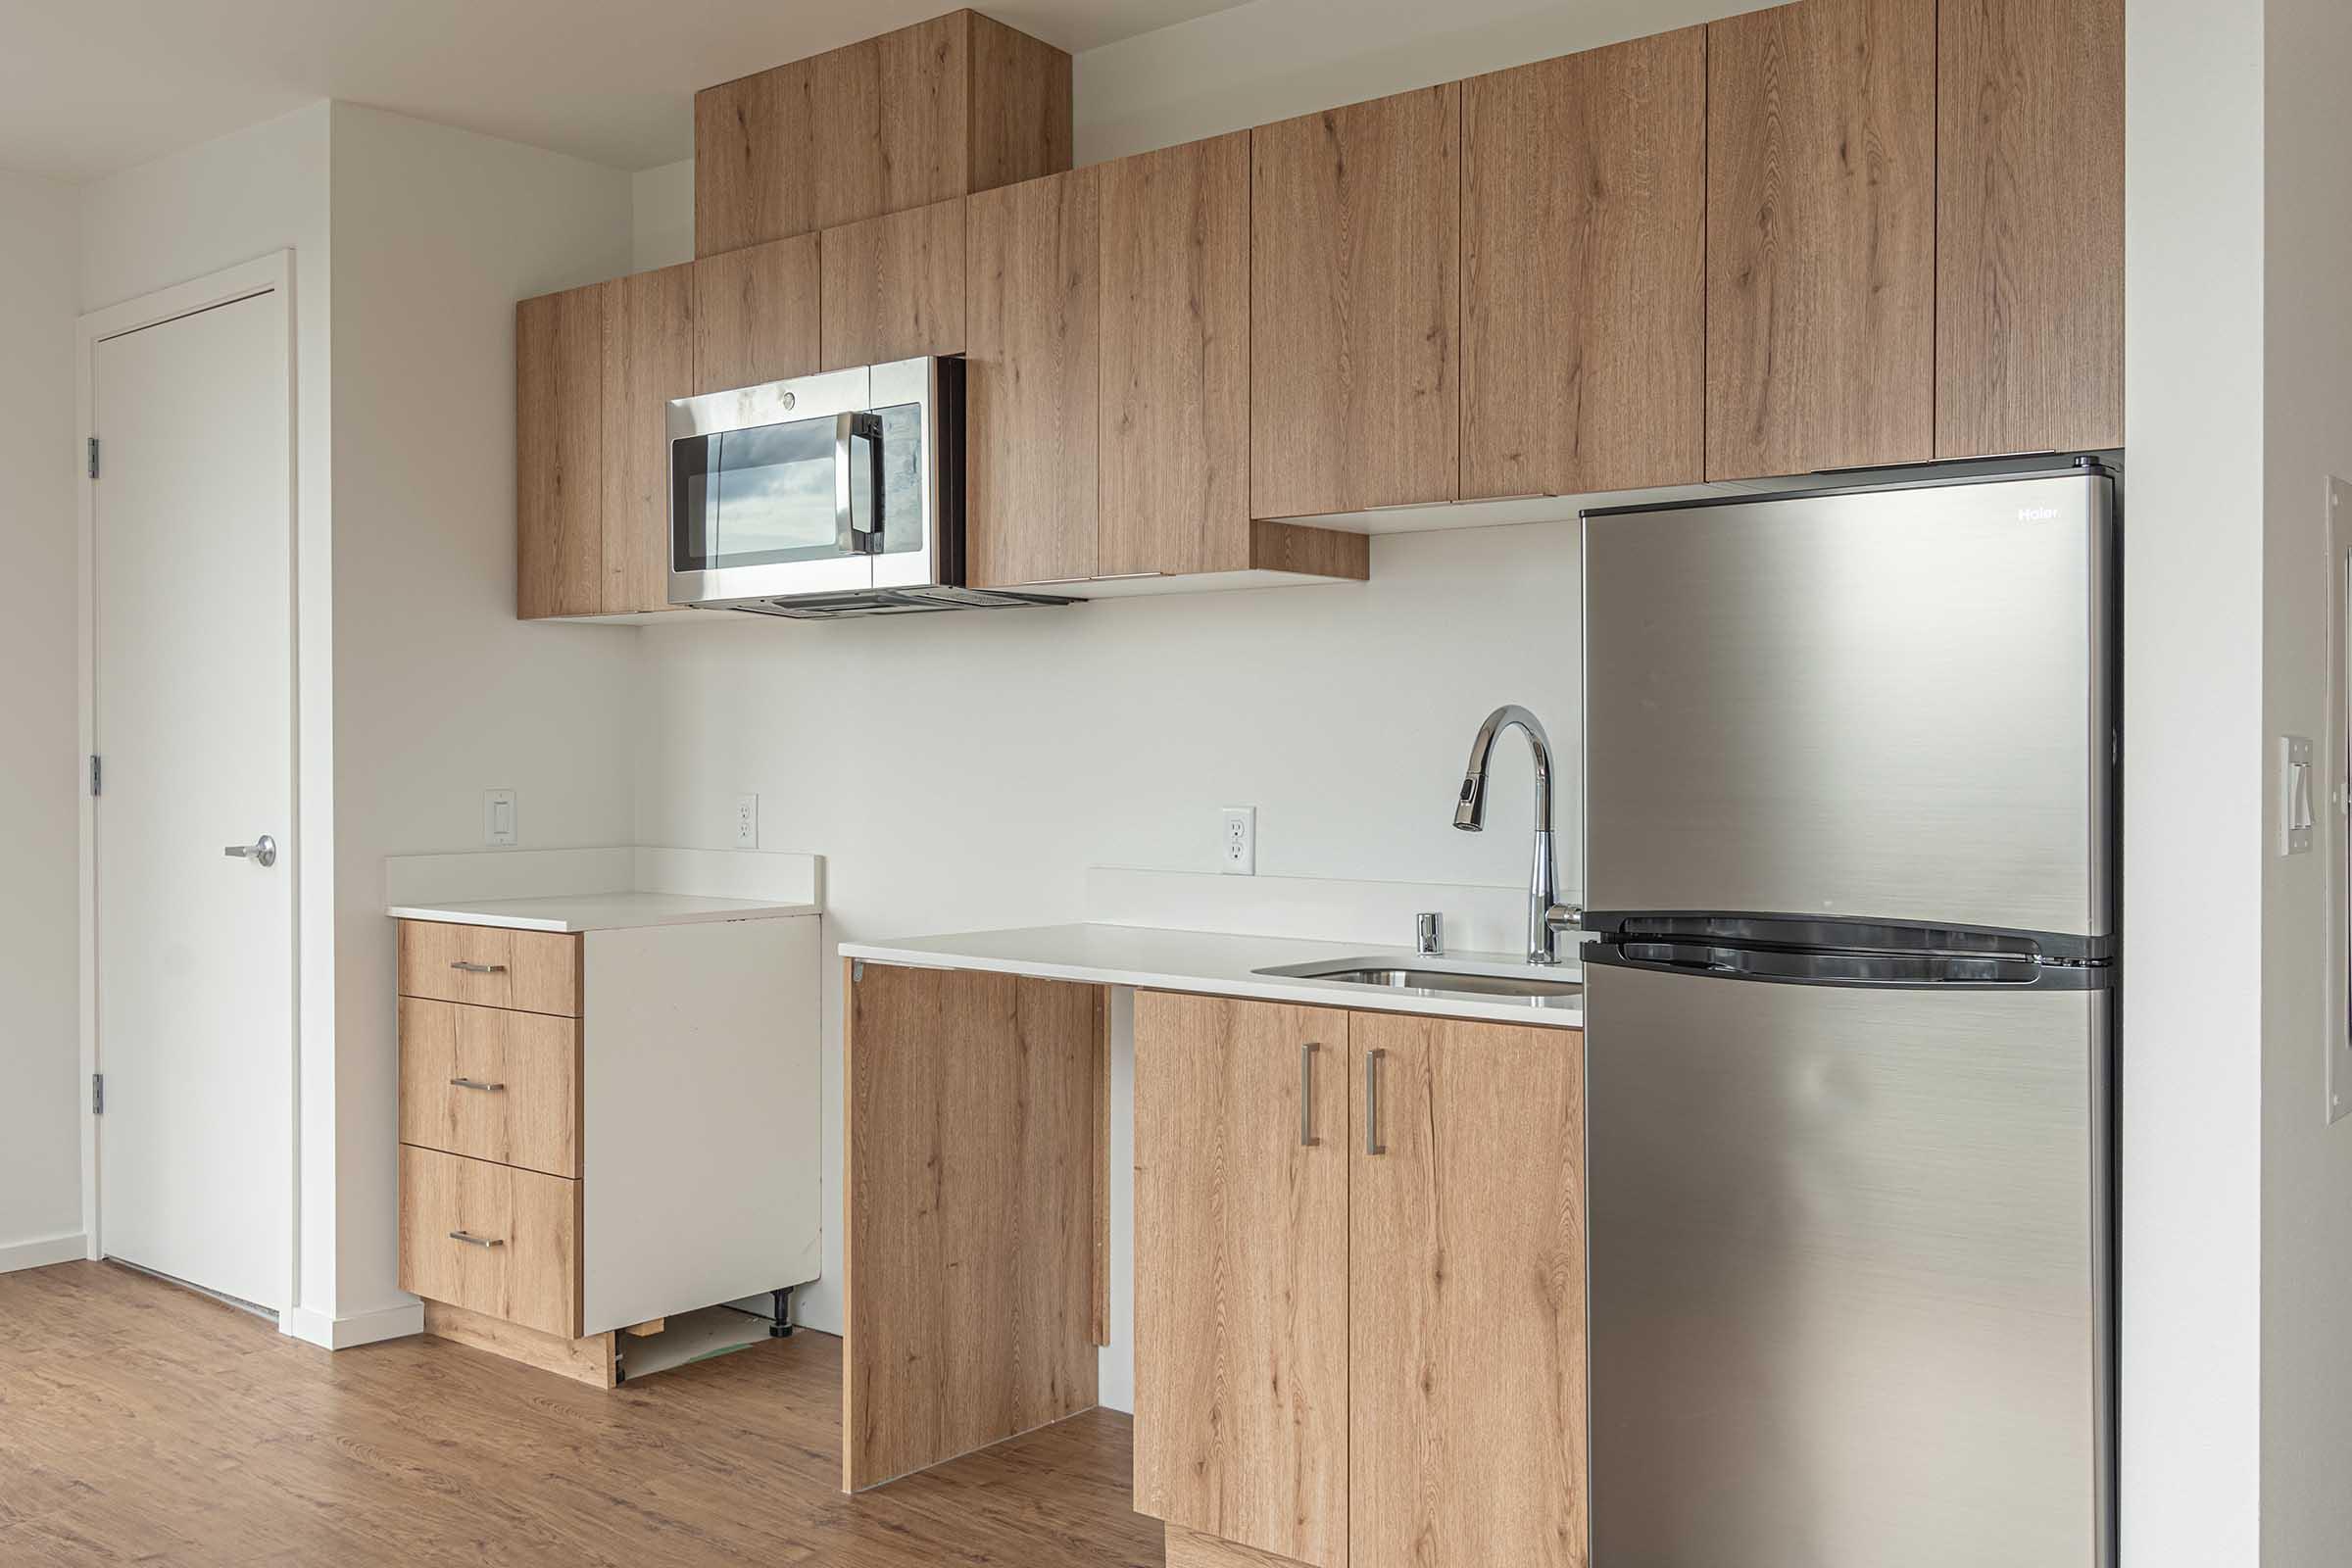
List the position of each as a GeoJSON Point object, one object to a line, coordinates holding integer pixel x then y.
{"type": "Point", "coordinates": [747, 821]}
{"type": "Point", "coordinates": [498, 818]}
{"type": "Point", "coordinates": [1237, 844]}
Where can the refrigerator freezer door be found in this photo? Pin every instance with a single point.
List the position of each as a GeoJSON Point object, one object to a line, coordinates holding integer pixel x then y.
{"type": "Point", "coordinates": [1886, 707]}
{"type": "Point", "coordinates": [1846, 1284]}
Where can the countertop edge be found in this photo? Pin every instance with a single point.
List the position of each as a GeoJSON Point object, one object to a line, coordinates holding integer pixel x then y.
{"type": "Point", "coordinates": [458, 914]}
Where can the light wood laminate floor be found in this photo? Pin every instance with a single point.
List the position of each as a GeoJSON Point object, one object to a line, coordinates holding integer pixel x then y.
{"type": "Point", "coordinates": [143, 1423]}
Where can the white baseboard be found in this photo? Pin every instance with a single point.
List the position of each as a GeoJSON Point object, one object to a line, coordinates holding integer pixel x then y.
{"type": "Point", "coordinates": [41, 1253]}
{"type": "Point", "coordinates": [363, 1328]}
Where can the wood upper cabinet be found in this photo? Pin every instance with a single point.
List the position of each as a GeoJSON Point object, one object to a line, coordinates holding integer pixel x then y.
{"type": "Point", "coordinates": [956, 104]}
{"type": "Point", "coordinates": [1821, 223]}
{"type": "Point", "coordinates": [649, 358]}
{"type": "Point", "coordinates": [1354, 280]}
{"type": "Point", "coordinates": [756, 315]}
{"type": "Point", "coordinates": [1241, 1302]}
{"type": "Point", "coordinates": [893, 287]}
{"type": "Point", "coordinates": [2030, 241]}
{"type": "Point", "coordinates": [1032, 345]}
{"type": "Point", "coordinates": [558, 449]}
{"type": "Point", "coordinates": [1584, 271]}
{"type": "Point", "coordinates": [1467, 1345]}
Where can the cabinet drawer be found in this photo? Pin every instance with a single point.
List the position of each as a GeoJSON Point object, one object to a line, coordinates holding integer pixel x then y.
{"type": "Point", "coordinates": [492, 1239]}
{"type": "Point", "coordinates": [535, 971]}
{"type": "Point", "coordinates": [491, 1084]}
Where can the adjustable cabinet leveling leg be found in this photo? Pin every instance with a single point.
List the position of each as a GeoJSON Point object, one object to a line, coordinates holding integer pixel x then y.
{"type": "Point", "coordinates": [781, 1328]}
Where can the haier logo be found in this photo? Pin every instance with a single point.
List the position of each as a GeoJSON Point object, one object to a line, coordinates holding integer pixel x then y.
{"type": "Point", "coordinates": [2037, 513]}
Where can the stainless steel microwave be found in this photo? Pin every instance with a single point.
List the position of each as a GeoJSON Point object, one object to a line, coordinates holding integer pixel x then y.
{"type": "Point", "coordinates": [827, 496]}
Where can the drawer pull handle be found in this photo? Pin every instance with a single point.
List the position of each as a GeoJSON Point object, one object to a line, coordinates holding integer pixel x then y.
{"type": "Point", "coordinates": [476, 1083]}
{"type": "Point", "coordinates": [477, 968]}
{"type": "Point", "coordinates": [476, 1241]}
{"type": "Point", "coordinates": [1306, 1095]}
{"type": "Point", "coordinates": [1372, 1142]}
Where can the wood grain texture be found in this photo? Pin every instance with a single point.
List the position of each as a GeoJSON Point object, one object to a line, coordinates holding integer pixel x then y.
{"type": "Point", "coordinates": [893, 287]}
{"type": "Point", "coordinates": [535, 971]}
{"type": "Point", "coordinates": [1021, 120]}
{"type": "Point", "coordinates": [969, 1224]}
{"type": "Point", "coordinates": [1174, 485]}
{"type": "Point", "coordinates": [1821, 226]}
{"type": "Point", "coordinates": [1314, 552]}
{"type": "Point", "coordinates": [1467, 1352]}
{"type": "Point", "coordinates": [1583, 270]}
{"type": "Point", "coordinates": [150, 1423]}
{"type": "Point", "coordinates": [1032, 341]}
{"type": "Point", "coordinates": [1354, 306]}
{"type": "Point", "coordinates": [532, 1119]}
{"type": "Point", "coordinates": [1187, 1549]}
{"type": "Point", "coordinates": [649, 358]}
{"type": "Point", "coordinates": [745, 192]}
{"type": "Point", "coordinates": [2030, 237]}
{"type": "Point", "coordinates": [756, 315]}
{"type": "Point", "coordinates": [926, 86]}
{"type": "Point", "coordinates": [1240, 1274]}
{"type": "Point", "coordinates": [531, 1276]}
{"type": "Point", "coordinates": [587, 1360]}
{"type": "Point", "coordinates": [559, 454]}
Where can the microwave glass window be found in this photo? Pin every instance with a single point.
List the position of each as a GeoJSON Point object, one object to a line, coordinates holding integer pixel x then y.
{"type": "Point", "coordinates": [766, 495]}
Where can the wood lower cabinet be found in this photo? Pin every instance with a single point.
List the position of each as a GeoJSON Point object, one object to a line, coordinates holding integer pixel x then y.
{"type": "Point", "coordinates": [1452, 1157]}
{"type": "Point", "coordinates": [1821, 248]}
{"type": "Point", "coordinates": [1584, 271]}
{"type": "Point", "coordinates": [1241, 1302]}
{"type": "Point", "coordinates": [2029, 239]}
{"type": "Point", "coordinates": [1354, 306]}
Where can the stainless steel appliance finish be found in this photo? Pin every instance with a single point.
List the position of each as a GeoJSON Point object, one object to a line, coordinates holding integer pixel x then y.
{"type": "Point", "coordinates": [1849, 1027]}
{"type": "Point", "coordinates": [826, 496]}
{"type": "Point", "coordinates": [1888, 707]}
{"type": "Point", "coordinates": [1546, 916]}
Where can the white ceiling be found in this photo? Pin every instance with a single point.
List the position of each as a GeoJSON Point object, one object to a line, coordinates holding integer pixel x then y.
{"type": "Point", "coordinates": [90, 86]}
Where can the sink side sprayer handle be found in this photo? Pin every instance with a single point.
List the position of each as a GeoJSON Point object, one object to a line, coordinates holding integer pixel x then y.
{"type": "Point", "coordinates": [1546, 915]}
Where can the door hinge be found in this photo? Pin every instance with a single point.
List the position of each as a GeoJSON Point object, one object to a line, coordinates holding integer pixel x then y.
{"type": "Point", "coordinates": [97, 776]}
{"type": "Point", "coordinates": [97, 1094]}
{"type": "Point", "coordinates": [94, 456]}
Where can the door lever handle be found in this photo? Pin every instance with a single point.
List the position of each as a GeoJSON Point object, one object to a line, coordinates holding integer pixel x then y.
{"type": "Point", "coordinates": [263, 850]}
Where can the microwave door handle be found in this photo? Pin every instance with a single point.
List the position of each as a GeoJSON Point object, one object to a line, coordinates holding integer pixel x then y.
{"type": "Point", "coordinates": [847, 537]}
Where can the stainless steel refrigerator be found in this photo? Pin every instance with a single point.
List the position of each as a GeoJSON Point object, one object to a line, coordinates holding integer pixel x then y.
{"type": "Point", "coordinates": [1849, 846]}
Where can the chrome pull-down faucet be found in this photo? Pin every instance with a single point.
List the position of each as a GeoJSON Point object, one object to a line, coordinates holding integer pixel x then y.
{"type": "Point", "coordinates": [1546, 916]}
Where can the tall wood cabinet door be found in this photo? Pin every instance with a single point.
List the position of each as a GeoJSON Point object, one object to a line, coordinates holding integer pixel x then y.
{"type": "Point", "coordinates": [1821, 237]}
{"type": "Point", "coordinates": [756, 315]}
{"type": "Point", "coordinates": [1354, 306]}
{"type": "Point", "coordinates": [1241, 1272]}
{"type": "Point", "coordinates": [1175, 479]}
{"type": "Point", "coordinates": [559, 454]}
{"type": "Point", "coordinates": [649, 358]}
{"type": "Point", "coordinates": [2030, 237]}
{"type": "Point", "coordinates": [1033, 312]}
{"type": "Point", "coordinates": [1583, 270]}
{"type": "Point", "coordinates": [1467, 1337]}
{"type": "Point", "coordinates": [893, 287]}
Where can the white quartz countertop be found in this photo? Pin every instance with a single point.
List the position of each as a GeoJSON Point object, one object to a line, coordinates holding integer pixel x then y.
{"type": "Point", "coordinates": [599, 911]}
{"type": "Point", "coordinates": [1217, 965]}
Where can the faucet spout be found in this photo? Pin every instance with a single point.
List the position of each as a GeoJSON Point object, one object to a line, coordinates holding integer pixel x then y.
{"type": "Point", "coordinates": [1546, 916]}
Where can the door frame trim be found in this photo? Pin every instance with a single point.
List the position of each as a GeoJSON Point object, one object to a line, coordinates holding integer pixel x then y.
{"type": "Point", "coordinates": [273, 273]}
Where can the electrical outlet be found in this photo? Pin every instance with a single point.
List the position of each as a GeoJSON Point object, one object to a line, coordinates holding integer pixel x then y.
{"type": "Point", "coordinates": [747, 821]}
{"type": "Point", "coordinates": [498, 818]}
{"type": "Point", "coordinates": [1237, 848]}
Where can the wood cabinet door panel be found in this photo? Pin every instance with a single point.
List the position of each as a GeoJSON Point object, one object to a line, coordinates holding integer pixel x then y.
{"type": "Point", "coordinates": [1354, 304]}
{"type": "Point", "coordinates": [1583, 270]}
{"type": "Point", "coordinates": [893, 287]}
{"type": "Point", "coordinates": [1033, 305]}
{"type": "Point", "coordinates": [649, 358]}
{"type": "Point", "coordinates": [756, 315]}
{"type": "Point", "coordinates": [2030, 236]}
{"type": "Point", "coordinates": [1241, 1262]}
{"type": "Point", "coordinates": [1467, 1365]}
{"type": "Point", "coordinates": [558, 452]}
{"type": "Point", "coordinates": [744, 192]}
{"type": "Point", "coordinates": [516, 1253]}
{"type": "Point", "coordinates": [491, 1083]}
{"type": "Point", "coordinates": [489, 966]}
{"type": "Point", "coordinates": [1821, 237]}
{"type": "Point", "coordinates": [1175, 414]}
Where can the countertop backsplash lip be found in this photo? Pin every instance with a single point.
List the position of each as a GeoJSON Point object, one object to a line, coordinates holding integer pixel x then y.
{"type": "Point", "coordinates": [1478, 917]}
{"type": "Point", "coordinates": [498, 875]}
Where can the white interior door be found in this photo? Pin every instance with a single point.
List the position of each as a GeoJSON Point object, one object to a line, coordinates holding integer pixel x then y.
{"type": "Point", "coordinates": [192, 700]}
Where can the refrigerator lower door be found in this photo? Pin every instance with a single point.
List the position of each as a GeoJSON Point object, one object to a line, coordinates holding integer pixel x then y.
{"type": "Point", "coordinates": [1848, 1274]}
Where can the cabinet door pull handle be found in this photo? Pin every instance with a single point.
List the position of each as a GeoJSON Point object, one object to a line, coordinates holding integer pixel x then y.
{"type": "Point", "coordinates": [477, 968]}
{"type": "Point", "coordinates": [1372, 1144]}
{"type": "Point", "coordinates": [1306, 1093]}
{"type": "Point", "coordinates": [472, 1239]}
{"type": "Point", "coordinates": [476, 1083]}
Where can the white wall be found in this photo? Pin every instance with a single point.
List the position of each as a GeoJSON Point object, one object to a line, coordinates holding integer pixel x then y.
{"type": "Point", "coordinates": [440, 693]}
{"type": "Point", "coordinates": [211, 207]}
{"type": "Point", "coordinates": [2192, 1089]}
{"type": "Point", "coordinates": [40, 765]}
{"type": "Point", "coordinates": [662, 210]}
{"type": "Point", "coordinates": [2306, 1163]}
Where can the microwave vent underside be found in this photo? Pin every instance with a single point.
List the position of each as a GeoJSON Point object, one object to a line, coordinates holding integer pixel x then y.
{"type": "Point", "coordinates": [893, 602]}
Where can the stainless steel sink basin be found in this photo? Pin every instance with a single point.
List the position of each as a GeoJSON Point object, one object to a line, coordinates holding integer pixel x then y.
{"type": "Point", "coordinates": [1435, 977]}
